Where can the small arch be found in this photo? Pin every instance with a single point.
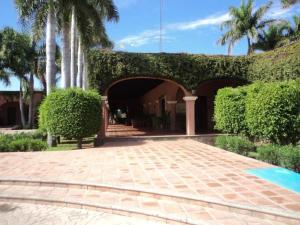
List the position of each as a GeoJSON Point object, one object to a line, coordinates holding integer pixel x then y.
{"type": "Point", "coordinates": [204, 105]}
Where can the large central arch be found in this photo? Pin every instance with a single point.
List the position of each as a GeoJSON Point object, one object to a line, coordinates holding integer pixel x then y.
{"type": "Point", "coordinates": [149, 103]}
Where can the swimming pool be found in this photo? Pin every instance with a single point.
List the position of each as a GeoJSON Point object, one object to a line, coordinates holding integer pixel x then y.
{"type": "Point", "coordinates": [282, 177]}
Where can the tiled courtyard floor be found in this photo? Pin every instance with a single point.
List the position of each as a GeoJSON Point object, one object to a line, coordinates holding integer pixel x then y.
{"type": "Point", "coordinates": [179, 167]}
{"type": "Point", "coordinates": [23, 214]}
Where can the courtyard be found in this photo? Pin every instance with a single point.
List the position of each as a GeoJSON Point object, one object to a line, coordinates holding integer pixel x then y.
{"type": "Point", "coordinates": [176, 181]}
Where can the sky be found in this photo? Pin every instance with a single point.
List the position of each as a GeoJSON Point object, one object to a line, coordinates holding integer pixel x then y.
{"type": "Point", "coordinates": [189, 26]}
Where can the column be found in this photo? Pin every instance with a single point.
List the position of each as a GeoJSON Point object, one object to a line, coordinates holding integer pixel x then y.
{"type": "Point", "coordinates": [172, 110]}
{"type": "Point", "coordinates": [102, 132]}
{"type": "Point", "coordinates": [190, 114]}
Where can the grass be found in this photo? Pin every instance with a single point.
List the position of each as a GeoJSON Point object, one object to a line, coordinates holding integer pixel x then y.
{"type": "Point", "coordinates": [69, 145]}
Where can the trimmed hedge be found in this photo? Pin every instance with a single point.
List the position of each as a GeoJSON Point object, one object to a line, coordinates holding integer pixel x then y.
{"type": "Point", "coordinates": [235, 144]}
{"type": "Point", "coordinates": [230, 110]}
{"type": "Point", "coordinates": [71, 113]}
{"type": "Point", "coordinates": [190, 70]}
{"type": "Point", "coordinates": [273, 111]}
{"type": "Point", "coordinates": [22, 142]}
{"type": "Point", "coordinates": [285, 156]}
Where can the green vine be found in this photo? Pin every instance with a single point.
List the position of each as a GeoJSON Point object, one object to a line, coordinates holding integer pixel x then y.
{"type": "Point", "coordinates": [190, 69]}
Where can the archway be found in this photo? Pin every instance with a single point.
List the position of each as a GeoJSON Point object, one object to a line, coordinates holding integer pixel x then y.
{"type": "Point", "coordinates": [204, 106]}
{"type": "Point", "coordinates": [143, 106]}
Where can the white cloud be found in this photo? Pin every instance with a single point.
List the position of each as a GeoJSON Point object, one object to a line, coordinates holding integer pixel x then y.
{"type": "Point", "coordinates": [146, 37]}
{"type": "Point", "coordinates": [192, 25]}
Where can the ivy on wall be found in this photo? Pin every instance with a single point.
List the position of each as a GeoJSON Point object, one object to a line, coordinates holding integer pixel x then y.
{"type": "Point", "coordinates": [190, 69]}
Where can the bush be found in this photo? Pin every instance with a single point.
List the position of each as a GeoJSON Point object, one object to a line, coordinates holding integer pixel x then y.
{"type": "Point", "coordinates": [273, 111]}
{"type": "Point", "coordinates": [230, 110]}
{"type": "Point", "coordinates": [235, 144]}
{"type": "Point", "coordinates": [269, 154]}
{"type": "Point", "coordinates": [71, 113]}
{"type": "Point", "coordinates": [4, 143]}
{"type": "Point", "coordinates": [25, 145]}
{"type": "Point", "coordinates": [285, 156]}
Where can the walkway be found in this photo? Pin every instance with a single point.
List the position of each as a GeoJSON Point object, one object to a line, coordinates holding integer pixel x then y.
{"type": "Point", "coordinates": [120, 130]}
{"type": "Point", "coordinates": [175, 181]}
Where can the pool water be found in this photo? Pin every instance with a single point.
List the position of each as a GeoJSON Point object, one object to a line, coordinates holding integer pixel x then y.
{"type": "Point", "coordinates": [282, 177]}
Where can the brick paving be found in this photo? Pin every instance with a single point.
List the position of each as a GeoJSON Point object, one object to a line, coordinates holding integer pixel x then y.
{"type": "Point", "coordinates": [23, 214]}
{"type": "Point", "coordinates": [184, 167]}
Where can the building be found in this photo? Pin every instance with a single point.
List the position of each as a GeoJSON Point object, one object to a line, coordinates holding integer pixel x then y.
{"type": "Point", "coordinates": [9, 107]}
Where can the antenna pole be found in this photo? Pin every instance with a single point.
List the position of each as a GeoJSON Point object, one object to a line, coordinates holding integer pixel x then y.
{"type": "Point", "coordinates": [161, 27]}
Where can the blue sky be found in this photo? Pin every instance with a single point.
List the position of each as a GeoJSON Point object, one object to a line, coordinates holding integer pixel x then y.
{"type": "Point", "coordinates": [190, 26]}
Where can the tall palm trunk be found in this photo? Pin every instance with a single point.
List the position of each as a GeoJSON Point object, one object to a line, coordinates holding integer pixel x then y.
{"type": "Point", "coordinates": [85, 72]}
{"type": "Point", "coordinates": [21, 104]}
{"type": "Point", "coordinates": [50, 57]}
{"type": "Point", "coordinates": [80, 64]}
{"type": "Point", "coordinates": [73, 48]}
{"type": "Point", "coordinates": [31, 98]}
{"type": "Point", "coordinates": [250, 47]}
{"type": "Point", "coordinates": [66, 56]}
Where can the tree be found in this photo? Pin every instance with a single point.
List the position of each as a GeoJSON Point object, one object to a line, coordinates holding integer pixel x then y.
{"type": "Point", "coordinates": [288, 3]}
{"type": "Point", "coordinates": [15, 54]}
{"type": "Point", "coordinates": [244, 22]}
{"type": "Point", "coordinates": [42, 14]}
{"type": "Point", "coordinates": [71, 113]}
{"type": "Point", "coordinates": [271, 38]}
{"type": "Point", "coordinates": [87, 24]}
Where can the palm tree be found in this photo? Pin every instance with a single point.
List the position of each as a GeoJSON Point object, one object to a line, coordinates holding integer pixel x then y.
{"type": "Point", "coordinates": [89, 18]}
{"type": "Point", "coordinates": [271, 38]}
{"type": "Point", "coordinates": [288, 3]}
{"type": "Point", "coordinates": [42, 14]}
{"type": "Point", "coordinates": [244, 22]}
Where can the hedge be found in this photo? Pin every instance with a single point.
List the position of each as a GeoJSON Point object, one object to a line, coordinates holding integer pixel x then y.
{"type": "Point", "coordinates": [22, 142]}
{"type": "Point", "coordinates": [190, 70]}
{"type": "Point", "coordinates": [273, 111]}
{"type": "Point", "coordinates": [230, 105]}
{"type": "Point", "coordinates": [71, 113]}
{"type": "Point", "coordinates": [285, 156]}
{"type": "Point", "coordinates": [240, 145]}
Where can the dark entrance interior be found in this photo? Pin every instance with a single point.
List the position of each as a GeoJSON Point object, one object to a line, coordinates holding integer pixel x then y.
{"type": "Point", "coordinates": [11, 115]}
{"type": "Point", "coordinates": [124, 98]}
{"type": "Point", "coordinates": [201, 114]}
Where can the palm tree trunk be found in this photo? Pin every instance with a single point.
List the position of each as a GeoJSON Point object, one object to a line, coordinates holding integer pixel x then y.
{"type": "Point", "coordinates": [66, 56]}
{"type": "Point", "coordinates": [250, 47]}
{"type": "Point", "coordinates": [50, 58]}
{"type": "Point", "coordinates": [73, 48]}
{"type": "Point", "coordinates": [79, 64]}
{"type": "Point", "coordinates": [21, 104]}
{"type": "Point", "coordinates": [31, 95]}
{"type": "Point", "coordinates": [85, 72]}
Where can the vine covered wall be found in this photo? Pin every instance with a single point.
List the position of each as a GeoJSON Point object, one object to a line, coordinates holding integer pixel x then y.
{"type": "Point", "coordinates": [190, 70]}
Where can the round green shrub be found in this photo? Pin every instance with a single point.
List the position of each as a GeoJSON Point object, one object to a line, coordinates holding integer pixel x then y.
{"type": "Point", "coordinates": [273, 111]}
{"type": "Point", "coordinates": [71, 113]}
{"type": "Point", "coordinates": [230, 110]}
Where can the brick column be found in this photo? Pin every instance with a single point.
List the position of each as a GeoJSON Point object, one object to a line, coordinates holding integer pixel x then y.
{"type": "Point", "coordinates": [105, 120]}
{"type": "Point", "coordinates": [190, 114]}
{"type": "Point", "coordinates": [172, 110]}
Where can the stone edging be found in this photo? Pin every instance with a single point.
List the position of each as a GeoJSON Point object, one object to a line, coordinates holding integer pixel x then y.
{"type": "Point", "coordinates": [110, 210]}
{"type": "Point", "coordinates": [258, 212]}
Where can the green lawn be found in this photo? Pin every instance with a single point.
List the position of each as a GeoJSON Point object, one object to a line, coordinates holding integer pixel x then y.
{"type": "Point", "coordinates": [68, 145]}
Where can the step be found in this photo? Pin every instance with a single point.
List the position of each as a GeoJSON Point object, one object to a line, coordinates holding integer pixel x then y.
{"type": "Point", "coordinates": [129, 202]}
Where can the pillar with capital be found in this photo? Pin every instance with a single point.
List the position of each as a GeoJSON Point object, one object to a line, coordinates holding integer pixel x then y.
{"type": "Point", "coordinates": [172, 111]}
{"type": "Point", "coordinates": [190, 114]}
{"type": "Point", "coordinates": [105, 120]}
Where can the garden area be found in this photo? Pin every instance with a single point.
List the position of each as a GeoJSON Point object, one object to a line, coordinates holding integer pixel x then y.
{"type": "Point", "coordinates": [262, 120]}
